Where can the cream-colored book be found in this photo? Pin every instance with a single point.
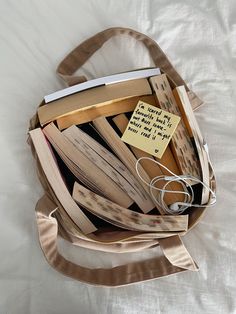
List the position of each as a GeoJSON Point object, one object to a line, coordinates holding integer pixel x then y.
{"type": "Point", "coordinates": [125, 218]}
{"type": "Point", "coordinates": [91, 113]}
{"type": "Point", "coordinates": [191, 123]}
{"type": "Point", "coordinates": [53, 175]}
{"type": "Point", "coordinates": [84, 169]}
{"type": "Point", "coordinates": [97, 96]}
{"type": "Point", "coordinates": [182, 145]}
{"type": "Point", "coordinates": [106, 161]}
{"type": "Point", "coordinates": [126, 156]}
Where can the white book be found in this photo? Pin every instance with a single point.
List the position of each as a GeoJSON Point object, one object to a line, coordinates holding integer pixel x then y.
{"type": "Point", "coordinates": [106, 80]}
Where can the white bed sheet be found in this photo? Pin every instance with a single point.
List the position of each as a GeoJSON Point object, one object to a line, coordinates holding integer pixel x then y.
{"type": "Point", "coordinates": [200, 39]}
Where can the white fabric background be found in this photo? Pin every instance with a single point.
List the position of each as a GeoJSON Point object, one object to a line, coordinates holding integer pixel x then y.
{"type": "Point", "coordinates": [200, 39]}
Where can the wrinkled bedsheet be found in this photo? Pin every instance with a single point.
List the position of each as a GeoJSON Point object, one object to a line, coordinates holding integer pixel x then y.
{"type": "Point", "coordinates": [199, 37]}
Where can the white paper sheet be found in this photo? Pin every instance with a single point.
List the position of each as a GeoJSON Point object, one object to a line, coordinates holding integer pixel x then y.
{"type": "Point", "coordinates": [199, 38]}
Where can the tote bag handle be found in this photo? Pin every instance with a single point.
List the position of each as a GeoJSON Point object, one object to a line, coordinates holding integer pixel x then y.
{"type": "Point", "coordinates": [175, 257]}
{"type": "Point", "coordinates": [77, 57]}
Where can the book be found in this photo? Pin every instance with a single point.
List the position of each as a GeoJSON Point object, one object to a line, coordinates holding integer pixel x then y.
{"type": "Point", "coordinates": [53, 175]}
{"type": "Point", "coordinates": [194, 132]}
{"type": "Point", "coordinates": [84, 169]}
{"type": "Point", "coordinates": [106, 80]}
{"type": "Point", "coordinates": [181, 142]}
{"type": "Point", "coordinates": [106, 154]}
{"type": "Point", "coordinates": [125, 218]}
{"type": "Point", "coordinates": [96, 96]}
{"type": "Point", "coordinates": [126, 156]}
{"type": "Point", "coordinates": [153, 169]}
{"type": "Point", "coordinates": [90, 113]}
{"type": "Point", "coordinates": [107, 162]}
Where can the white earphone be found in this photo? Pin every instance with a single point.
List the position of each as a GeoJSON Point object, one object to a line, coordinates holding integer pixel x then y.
{"type": "Point", "coordinates": [178, 207]}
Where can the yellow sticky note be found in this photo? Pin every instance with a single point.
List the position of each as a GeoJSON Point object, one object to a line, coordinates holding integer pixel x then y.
{"type": "Point", "coordinates": [150, 129]}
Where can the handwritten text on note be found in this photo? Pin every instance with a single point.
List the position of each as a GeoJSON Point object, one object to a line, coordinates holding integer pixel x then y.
{"type": "Point", "coordinates": [150, 129]}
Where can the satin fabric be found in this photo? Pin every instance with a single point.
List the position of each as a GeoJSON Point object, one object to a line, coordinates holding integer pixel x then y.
{"type": "Point", "coordinates": [175, 259]}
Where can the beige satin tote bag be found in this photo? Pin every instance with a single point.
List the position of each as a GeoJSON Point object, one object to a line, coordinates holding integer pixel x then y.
{"type": "Point", "coordinates": [50, 214]}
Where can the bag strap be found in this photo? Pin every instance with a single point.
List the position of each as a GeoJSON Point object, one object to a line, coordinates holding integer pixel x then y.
{"type": "Point", "coordinates": [175, 256]}
{"type": "Point", "coordinates": [77, 57]}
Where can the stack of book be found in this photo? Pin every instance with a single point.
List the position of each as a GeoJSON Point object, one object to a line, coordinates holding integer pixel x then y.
{"type": "Point", "coordinates": [82, 127]}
